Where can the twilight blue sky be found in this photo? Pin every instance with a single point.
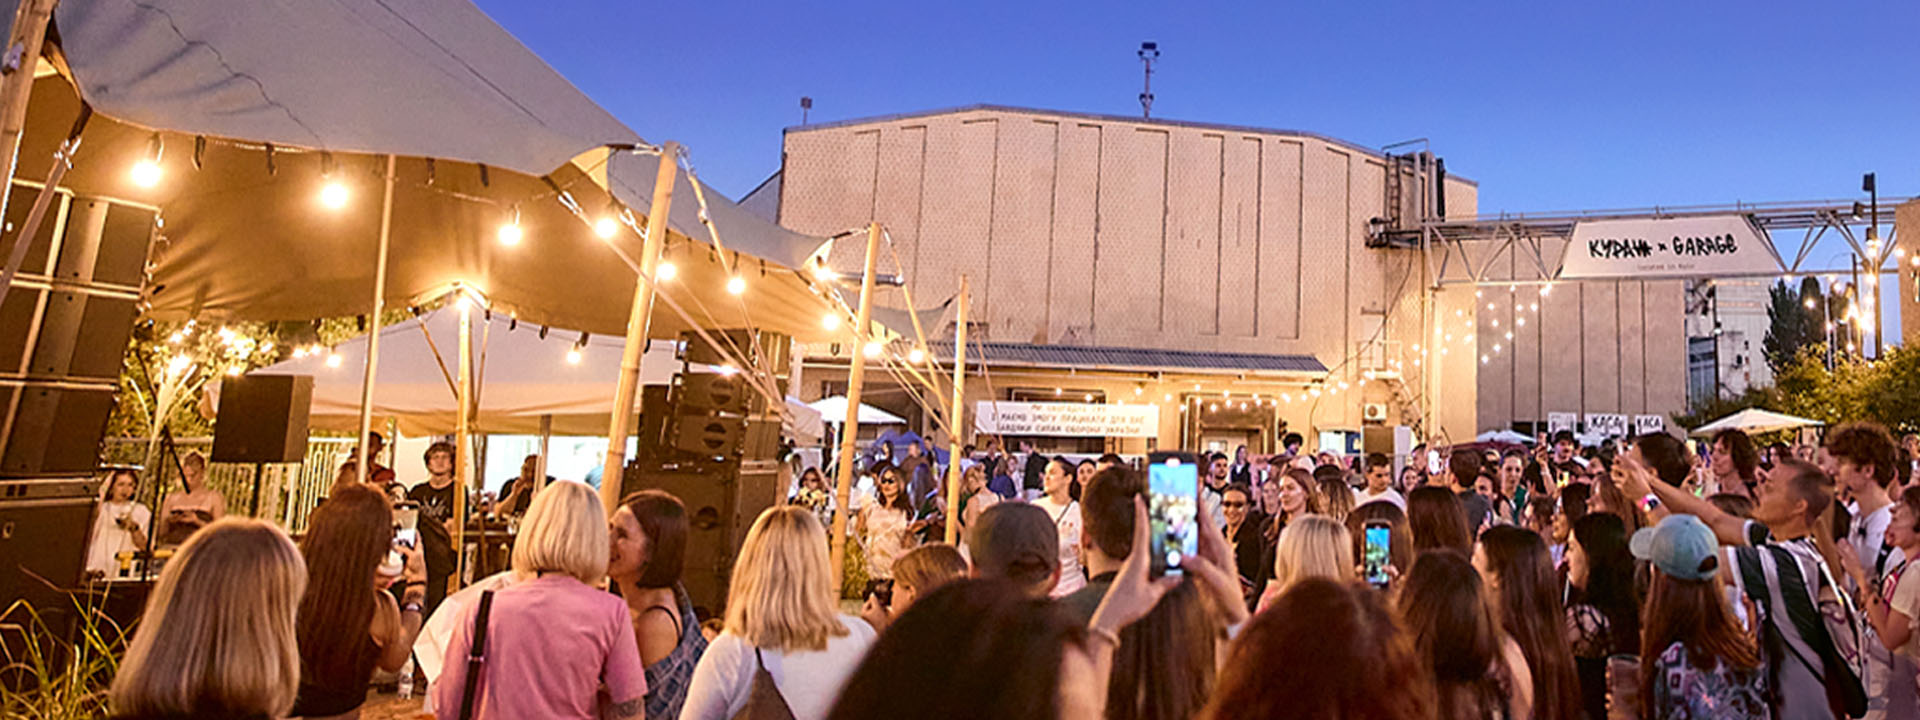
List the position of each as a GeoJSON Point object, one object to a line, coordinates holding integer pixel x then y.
{"type": "Point", "coordinates": [1550, 106]}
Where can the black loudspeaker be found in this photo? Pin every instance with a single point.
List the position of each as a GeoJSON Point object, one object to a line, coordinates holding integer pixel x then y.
{"type": "Point", "coordinates": [655, 412]}
{"type": "Point", "coordinates": [708, 435]}
{"type": "Point", "coordinates": [704, 393]}
{"type": "Point", "coordinates": [722, 500]}
{"type": "Point", "coordinates": [64, 328]}
{"type": "Point", "coordinates": [263, 419]}
{"type": "Point", "coordinates": [43, 549]}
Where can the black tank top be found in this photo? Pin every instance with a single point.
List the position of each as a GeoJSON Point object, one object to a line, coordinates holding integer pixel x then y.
{"type": "Point", "coordinates": [320, 699]}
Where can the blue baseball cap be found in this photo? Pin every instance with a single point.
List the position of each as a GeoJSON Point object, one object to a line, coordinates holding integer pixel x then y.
{"type": "Point", "coordinates": [1680, 546]}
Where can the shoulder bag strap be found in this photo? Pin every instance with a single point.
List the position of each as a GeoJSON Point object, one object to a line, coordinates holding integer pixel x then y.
{"type": "Point", "coordinates": [476, 654]}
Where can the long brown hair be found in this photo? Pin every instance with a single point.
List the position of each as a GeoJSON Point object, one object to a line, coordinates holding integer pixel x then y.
{"type": "Point", "coordinates": [347, 536]}
{"type": "Point", "coordinates": [1528, 600]}
{"type": "Point", "coordinates": [1694, 614]}
{"type": "Point", "coordinates": [1436, 520]}
{"type": "Point", "coordinates": [1335, 642]}
{"type": "Point", "coordinates": [1445, 608]}
{"type": "Point", "coordinates": [1164, 666]}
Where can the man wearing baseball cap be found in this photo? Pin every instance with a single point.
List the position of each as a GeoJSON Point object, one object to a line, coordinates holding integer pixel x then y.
{"type": "Point", "coordinates": [1016, 542]}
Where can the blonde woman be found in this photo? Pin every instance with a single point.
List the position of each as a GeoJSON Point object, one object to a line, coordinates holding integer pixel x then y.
{"type": "Point", "coordinates": [1311, 546]}
{"type": "Point", "coordinates": [783, 632]}
{"type": "Point", "coordinates": [916, 574]}
{"type": "Point", "coordinates": [552, 640]}
{"type": "Point", "coordinates": [218, 636]}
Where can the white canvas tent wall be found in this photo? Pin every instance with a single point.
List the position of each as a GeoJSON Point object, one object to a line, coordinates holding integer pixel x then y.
{"type": "Point", "coordinates": [523, 378]}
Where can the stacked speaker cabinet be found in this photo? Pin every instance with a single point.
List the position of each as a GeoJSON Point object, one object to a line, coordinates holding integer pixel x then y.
{"type": "Point", "coordinates": [711, 440]}
{"type": "Point", "coordinates": [64, 328]}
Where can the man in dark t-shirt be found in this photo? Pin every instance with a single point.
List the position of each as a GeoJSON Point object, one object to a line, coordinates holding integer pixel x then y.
{"type": "Point", "coordinates": [1464, 465]}
{"type": "Point", "coordinates": [435, 498]}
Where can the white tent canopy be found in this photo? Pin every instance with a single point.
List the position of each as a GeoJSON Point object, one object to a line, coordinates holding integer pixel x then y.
{"type": "Point", "coordinates": [1755, 420]}
{"type": "Point", "coordinates": [834, 410]}
{"type": "Point", "coordinates": [1504, 436]}
{"type": "Point", "coordinates": [521, 379]}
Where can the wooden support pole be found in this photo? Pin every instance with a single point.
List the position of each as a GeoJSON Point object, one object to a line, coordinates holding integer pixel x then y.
{"type": "Point", "coordinates": [957, 416]}
{"type": "Point", "coordinates": [856, 375]}
{"type": "Point", "coordinates": [620, 425]}
{"type": "Point", "coordinates": [462, 440]}
{"type": "Point", "coordinates": [362, 460]}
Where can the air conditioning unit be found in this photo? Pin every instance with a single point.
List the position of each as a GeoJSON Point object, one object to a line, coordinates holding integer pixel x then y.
{"type": "Point", "coordinates": [1374, 412]}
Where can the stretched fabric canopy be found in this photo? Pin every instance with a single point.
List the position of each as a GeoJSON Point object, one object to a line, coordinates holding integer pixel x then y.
{"type": "Point", "coordinates": [292, 92]}
{"type": "Point", "coordinates": [521, 377]}
{"type": "Point", "coordinates": [834, 410]}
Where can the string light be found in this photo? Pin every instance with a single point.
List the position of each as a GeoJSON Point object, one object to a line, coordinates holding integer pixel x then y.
{"type": "Point", "coordinates": [233, 371]}
{"type": "Point", "coordinates": [665, 271]}
{"type": "Point", "coordinates": [1546, 289]}
{"type": "Point", "coordinates": [1057, 392]}
{"type": "Point", "coordinates": [916, 356]}
{"type": "Point", "coordinates": [333, 360]}
{"type": "Point", "coordinates": [1168, 398]}
{"type": "Point", "coordinates": [830, 321]}
{"type": "Point", "coordinates": [1089, 397]}
{"type": "Point", "coordinates": [573, 356]}
{"type": "Point", "coordinates": [178, 364]}
{"type": "Point", "coordinates": [510, 233]}
{"type": "Point", "coordinates": [146, 172]}
{"type": "Point", "coordinates": [872, 350]}
{"type": "Point", "coordinates": [333, 195]}
{"type": "Point", "coordinates": [824, 274]}
{"type": "Point", "coordinates": [605, 227]}
{"type": "Point", "coordinates": [736, 285]}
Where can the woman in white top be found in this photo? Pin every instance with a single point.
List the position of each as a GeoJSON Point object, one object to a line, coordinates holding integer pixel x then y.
{"type": "Point", "coordinates": [120, 525]}
{"type": "Point", "coordinates": [887, 527]}
{"type": "Point", "coordinates": [781, 619]}
{"type": "Point", "coordinates": [1065, 511]}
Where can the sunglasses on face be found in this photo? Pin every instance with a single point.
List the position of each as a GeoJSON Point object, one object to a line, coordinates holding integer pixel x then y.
{"type": "Point", "coordinates": [1231, 504]}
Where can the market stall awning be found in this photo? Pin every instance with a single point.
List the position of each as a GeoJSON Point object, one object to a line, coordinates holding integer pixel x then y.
{"type": "Point", "coordinates": [254, 105]}
{"type": "Point", "coordinates": [1755, 420]}
{"type": "Point", "coordinates": [834, 410]}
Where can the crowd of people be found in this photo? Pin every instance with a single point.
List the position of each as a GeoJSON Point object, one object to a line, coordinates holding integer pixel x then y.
{"type": "Point", "coordinates": [1638, 579]}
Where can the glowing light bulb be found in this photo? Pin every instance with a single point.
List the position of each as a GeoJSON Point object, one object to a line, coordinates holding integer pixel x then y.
{"type": "Point", "coordinates": [233, 371]}
{"type": "Point", "coordinates": [1509, 334]}
{"type": "Point", "coordinates": [916, 356]}
{"type": "Point", "coordinates": [1057, 391]}
{"type": "Point", "coordinates": [1167, 398]}
{"type": "Point", "coordinates": [824, 273]}
{"type": "Point", "coordinates": [179, 364]}
{"type": "Point", "coordinates": [1484, 359]}
{"type": "Point", "coordinates": [1088, 398]}
{"type": "Point", "coordinates": [333, 360]}
{"type": "Point", "coordinates": [830, 321]}
{"type": "Point", "coordinates": [666, 271]}
{"type": "Point", "coordinates": [333, 195]}
{"type": "Point", "coordinates": [736, 285]}
{"type": "Point", "coordinates": [573, 356]}
{"type": "Point", "coordinates": [872, 350]}
{"type": "Point", "coordinates": [1546, 290]}
{"type": "Point", "coordinates": [146, 173]}
{"type": "Point", "coordinates": [1496, 347]}
{"type": "Point", "coordinates": [605, 227]}
{"type": "Point", "coordinates": [510, 234]}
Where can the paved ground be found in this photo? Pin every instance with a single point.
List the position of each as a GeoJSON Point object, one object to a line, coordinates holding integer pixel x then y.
{"type": "Point", "coordinates": [386, 706]}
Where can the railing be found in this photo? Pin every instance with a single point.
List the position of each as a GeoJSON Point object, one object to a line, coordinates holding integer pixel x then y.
{"type": "Point", "coordinates": [288, 491]}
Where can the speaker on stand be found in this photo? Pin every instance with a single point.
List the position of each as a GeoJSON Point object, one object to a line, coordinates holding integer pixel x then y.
{"type": "Point", "coordinates": [262, 419]}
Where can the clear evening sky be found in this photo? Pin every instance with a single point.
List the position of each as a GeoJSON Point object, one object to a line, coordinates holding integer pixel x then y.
{"type": "Point", "coordinates": [1550, 106]}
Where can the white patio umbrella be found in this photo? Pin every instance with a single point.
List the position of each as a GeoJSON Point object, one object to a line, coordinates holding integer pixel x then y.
{"type": "Point", "coordinates": [833, 408]}
{"type": "Point", "coordinates": [1504, 436]}
{"type": "Point", "coordinates": [1755, 420]}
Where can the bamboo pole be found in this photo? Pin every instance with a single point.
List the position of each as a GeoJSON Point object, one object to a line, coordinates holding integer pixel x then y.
{"type": "Point", "coordinates": [462, 442]}
{"type": "Point", "coordinates": [957, 415]}
{"type": "Point", "coordinates": [27, 34]}
{"type": "Point", "coordinates": [856, 375]}
{"type": "Point", "coordinates": [546, 446]}
{"type": "Point", "coordinates": [619, 426]}
{"type": "Point", "coordinates": [373, 336]}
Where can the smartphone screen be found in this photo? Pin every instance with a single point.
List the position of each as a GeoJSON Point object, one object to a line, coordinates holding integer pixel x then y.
{"type": "Point", "coordinates": [1171, 512]}
{"type": "Point", "coordinates": [1378, 547]}
{"type": "Point", "coordinates": [409, 537]}
{"type": "Point", "coordinates": [1433, 462]}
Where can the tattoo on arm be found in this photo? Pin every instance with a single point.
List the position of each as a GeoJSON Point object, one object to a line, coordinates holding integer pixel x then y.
{"type": "Point", "coordinates": [629, 709]}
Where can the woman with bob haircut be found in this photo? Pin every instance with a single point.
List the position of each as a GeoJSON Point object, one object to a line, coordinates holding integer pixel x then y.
{"type": "Point", "coordinates": [919, 572]}
{"type": "Point", "coordinates": [1346, 656]}
{"type": "Point", "coordinates": [648, 548]}
{"type": "Point", "coordinates": [1314, 546]}
{"type": "Point", "coordinates": [783, 629]}
{"type": "Point", "coordinates": [1436, 520]}
{"type": "Point", "coordinates": [218, 638]}
{"type": "Point", "coordinates": [553, 640]}
{"type": "Point", "coordinates": [348, 537]}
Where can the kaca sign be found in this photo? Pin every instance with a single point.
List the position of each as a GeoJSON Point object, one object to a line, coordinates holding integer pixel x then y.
{"type": "Point", "coordinates": [1671, 247]}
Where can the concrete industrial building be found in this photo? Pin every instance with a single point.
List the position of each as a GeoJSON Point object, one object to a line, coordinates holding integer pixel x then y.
{"type": "Point", "coordinates": [1117, 259]}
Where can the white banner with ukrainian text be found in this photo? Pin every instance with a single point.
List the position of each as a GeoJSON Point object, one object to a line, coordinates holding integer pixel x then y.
{"type": "Point", "coordinates": [1066, 419]}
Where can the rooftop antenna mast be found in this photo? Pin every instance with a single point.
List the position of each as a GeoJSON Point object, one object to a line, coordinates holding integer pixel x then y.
{"type": "Point", "coordinates": [1149, 54]}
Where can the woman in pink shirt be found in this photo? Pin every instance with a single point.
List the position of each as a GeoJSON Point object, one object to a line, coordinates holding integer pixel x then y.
{"type": "Point", "coordinates": [555, 646]}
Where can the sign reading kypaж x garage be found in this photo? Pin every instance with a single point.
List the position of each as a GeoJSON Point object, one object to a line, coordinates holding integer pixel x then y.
{"type": "Point", "coordinates": [1708, 246]}
{"type": "Point", "coordinates": [1067, 419]}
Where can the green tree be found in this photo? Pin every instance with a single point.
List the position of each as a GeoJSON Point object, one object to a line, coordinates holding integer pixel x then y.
{"type": "Point", "coordinates": [1792, 325]}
